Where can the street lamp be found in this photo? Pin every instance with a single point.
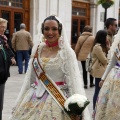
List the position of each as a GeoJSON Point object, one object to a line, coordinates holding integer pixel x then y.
{"type": "Point", "coordinates": [105, 4]}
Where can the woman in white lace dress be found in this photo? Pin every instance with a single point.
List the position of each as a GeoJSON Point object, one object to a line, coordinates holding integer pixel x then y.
{"type": "Point", "coordinates": [108, 104]}
{"type": "Point", "coordinates": [59, 63]}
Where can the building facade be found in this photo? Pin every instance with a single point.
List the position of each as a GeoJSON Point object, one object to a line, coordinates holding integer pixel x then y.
{"type": "Point", "coordinates": [87, 12]}
{"type": "Point", "coordinates": [15, 11]}
{"type": "Point", "coordinates": [75, 14]}
{"type": "Point", "coordinates": [33, 12]}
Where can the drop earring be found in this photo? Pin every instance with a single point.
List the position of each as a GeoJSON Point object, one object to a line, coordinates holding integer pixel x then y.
{"type": "Point", "coordinates": [60, 41]}
{"type": "Point", "coordinates": [43, 39]}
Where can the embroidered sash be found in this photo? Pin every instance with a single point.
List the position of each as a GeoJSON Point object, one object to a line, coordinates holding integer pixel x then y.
{"type": "Point", "coordinates": [50, 85]}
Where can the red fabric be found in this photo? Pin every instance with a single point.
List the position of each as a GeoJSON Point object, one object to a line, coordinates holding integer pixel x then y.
{"type": "Point", "coordinates": [51, 45]}
{"type": "Point", "coordinates": [36, 83]}
{"type": "Point", "coordinates": [5, 40]}
{"type": "Point", "coordinates": [60, 83]}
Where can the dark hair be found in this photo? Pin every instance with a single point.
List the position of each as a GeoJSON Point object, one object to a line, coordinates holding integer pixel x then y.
{"type": "Point", "coordinates": [101, 39]}
{"type": "Point", "coordinates": [109, 21]}
{"type": "Point", "coordinates": [87, 28]}
{"type": "Point", "coordinates": [52, 18]}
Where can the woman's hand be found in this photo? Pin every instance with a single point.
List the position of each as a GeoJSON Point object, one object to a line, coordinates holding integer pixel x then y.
{"type": "Point", "coordinates": [13, 61]}
{"type": "Point", "coordinates": [108, 44]}
{"type": "Point", "coordinates": [101, 83]}
{"type": "Point", "coordinates": [77, 117]}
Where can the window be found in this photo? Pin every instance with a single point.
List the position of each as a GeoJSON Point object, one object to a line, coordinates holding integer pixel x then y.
{"type": "Point", "coordinates": [79, 11]}
{"type": "Point", "coordinates": [13, 3]}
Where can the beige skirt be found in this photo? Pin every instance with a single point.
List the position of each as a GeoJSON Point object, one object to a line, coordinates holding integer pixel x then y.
{"type": "Point", "coordinates": [108, 103]}
{"type": "Point", "coordinates": [33, 108]}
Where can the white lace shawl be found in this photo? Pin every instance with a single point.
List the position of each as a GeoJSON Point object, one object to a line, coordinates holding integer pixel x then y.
{"type": "Point", "coordinates": [75, 78]}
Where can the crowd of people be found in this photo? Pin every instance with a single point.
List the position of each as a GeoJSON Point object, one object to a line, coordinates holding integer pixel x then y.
{"type": "Point", "coordinates": [54, 65]}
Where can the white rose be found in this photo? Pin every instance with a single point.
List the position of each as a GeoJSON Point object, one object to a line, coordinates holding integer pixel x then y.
{"type": "Point", "coordinates": [76, 98]}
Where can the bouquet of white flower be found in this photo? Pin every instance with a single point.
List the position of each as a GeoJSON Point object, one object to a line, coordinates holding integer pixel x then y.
{"type": "Point", "coordinates": [76, 104]}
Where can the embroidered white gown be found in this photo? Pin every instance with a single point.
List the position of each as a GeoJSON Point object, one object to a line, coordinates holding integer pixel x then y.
{"type": "Point", "coordinates": [108, 103]}
{"type": "Point", "coordinates": [34, 102]}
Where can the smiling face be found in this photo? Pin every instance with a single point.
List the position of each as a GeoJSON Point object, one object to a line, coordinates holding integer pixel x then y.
{"type": "Point", "coordinates": [50, 31]}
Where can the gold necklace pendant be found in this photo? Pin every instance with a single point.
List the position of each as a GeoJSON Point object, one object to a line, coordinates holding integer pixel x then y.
{"type": "Point", "coordinates": [50, 48]}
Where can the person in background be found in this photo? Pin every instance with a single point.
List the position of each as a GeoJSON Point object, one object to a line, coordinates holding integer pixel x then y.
{"type": "Point", "coordinates": [111, 26]}
{"type": "Point", "coordinates": [6, 59]}
{"type": "Point", "coordinates": [82, 49]}
{"type": "Point", "coordinates": [21, 43]}
{"type": "Point", "coordinates": [99, 61]}
{"type": "Point", "coordinates": [57, 59]}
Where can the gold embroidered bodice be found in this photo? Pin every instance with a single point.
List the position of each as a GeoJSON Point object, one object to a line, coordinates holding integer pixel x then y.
{"type": "Point", "coordinates": [45, 61]}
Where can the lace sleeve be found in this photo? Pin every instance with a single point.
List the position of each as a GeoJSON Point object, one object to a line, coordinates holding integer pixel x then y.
{"type": "Point", "coordinates": [74, 77]}
{"type": "Point", "coordinates": [72, 73]}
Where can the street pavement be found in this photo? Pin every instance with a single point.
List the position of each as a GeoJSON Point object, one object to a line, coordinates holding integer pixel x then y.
{"type": "Point", "coordinates": [13, 86]}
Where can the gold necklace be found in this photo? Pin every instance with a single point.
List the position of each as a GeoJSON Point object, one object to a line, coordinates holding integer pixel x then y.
{"type": "Point", "coordinates": [50, 48]}
{"type": "Point", "coordinates": [45, 61]}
